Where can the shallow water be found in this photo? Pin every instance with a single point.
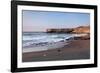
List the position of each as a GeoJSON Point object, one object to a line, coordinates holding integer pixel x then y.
{"type": "Point", "coordinates": [40, 41]}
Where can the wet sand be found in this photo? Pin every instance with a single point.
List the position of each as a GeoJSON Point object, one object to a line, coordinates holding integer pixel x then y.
{"type": "Point", "coordinates": [75, 50]}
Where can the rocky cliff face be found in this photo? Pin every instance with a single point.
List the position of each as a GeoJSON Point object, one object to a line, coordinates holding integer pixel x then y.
{"type": "Point", "coordinates": [81, 29]}
{"type": "Point", "coordinates": [59, 30]}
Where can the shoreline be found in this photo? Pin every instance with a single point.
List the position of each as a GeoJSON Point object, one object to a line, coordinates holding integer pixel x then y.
{"type": "Point", "coordinates": [44, 46]}
{"type": "Point", "coordinates": [76, 49]}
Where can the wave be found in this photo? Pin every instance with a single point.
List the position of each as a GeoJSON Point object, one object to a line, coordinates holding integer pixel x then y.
{"type": "Point", "coordinates": [43, 41]}
{"type": "Point", "coordinates": [36, 40]}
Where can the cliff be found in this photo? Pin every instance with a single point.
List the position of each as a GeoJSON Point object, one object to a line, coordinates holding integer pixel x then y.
{"type": "Point", "coordinates": [81, 29]}
{"type": "Point", "coordinates": [60, 30]}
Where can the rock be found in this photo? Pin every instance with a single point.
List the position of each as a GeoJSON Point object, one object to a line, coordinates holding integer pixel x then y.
{"type": "Point", "coordinates": [82, 29]}
{"type": "Point", "coordinates": [59, 30]}
{"type": "Point", "coordinates": [82, 37]}
{"type": "Point", "coordinates": [78, 30]}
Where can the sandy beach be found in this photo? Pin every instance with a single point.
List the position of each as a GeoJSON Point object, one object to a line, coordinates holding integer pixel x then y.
{"type": "Point", "coordinates": [75, 50]}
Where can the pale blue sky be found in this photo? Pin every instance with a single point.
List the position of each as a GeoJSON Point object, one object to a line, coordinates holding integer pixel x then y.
{"type": "Point", "coordinates": [34, 21]}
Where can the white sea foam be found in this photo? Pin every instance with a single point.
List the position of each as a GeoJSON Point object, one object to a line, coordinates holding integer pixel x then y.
{"type": "Point", "coordinates": [44, 41]}
{"type": "Point", "coordinates": [46, 47]}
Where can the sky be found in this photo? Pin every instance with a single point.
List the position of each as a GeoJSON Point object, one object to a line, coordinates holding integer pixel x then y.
{"type": "Point", "coordinates": [40, 21]}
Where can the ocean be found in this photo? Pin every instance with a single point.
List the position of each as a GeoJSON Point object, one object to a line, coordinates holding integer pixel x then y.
{"type": "Point", "coordinates": [40, 41]}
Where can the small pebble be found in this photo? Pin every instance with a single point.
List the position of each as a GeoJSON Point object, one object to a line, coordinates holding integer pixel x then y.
{"type": "Point", "coordinates": [44, 55]}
